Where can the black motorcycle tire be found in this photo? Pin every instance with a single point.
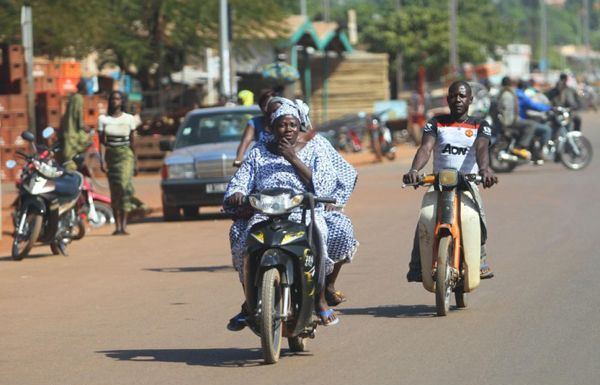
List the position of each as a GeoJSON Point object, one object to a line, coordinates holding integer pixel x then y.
{"type": "Point", "coordinates": [270, 324]}
{"type": "Point", "coordinates": [297, 344]}
{"type": "Point", "coordinates": [584, 146]}
{"type": "Point", "coordinates": [500, 166]}
{"type": "Point", "coordinates": [442, 279]}
{"type": "Point", "coordinates": [35, 227]}
{"type": "Point", "coordinates": [460, 296]}
{"type": "Point", "coordinates": [79, 232]}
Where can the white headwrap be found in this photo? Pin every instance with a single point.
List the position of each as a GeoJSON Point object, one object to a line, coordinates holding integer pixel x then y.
{"type": "Point", "coordinates": [301, 108]}
{"type": "Point", "coordinates": [285, 109]}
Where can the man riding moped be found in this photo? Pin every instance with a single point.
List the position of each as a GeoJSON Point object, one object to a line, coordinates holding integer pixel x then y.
{"type": "Point", "coordinates": [460, 142]}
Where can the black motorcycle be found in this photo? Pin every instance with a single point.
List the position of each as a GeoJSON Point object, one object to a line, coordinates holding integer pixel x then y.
{"type": "Point", "coordinates": [45, 206]}
{"type": "Point", "coordinates": [567, 146]}
{"type": "Point", "coordinates": [282, 270]}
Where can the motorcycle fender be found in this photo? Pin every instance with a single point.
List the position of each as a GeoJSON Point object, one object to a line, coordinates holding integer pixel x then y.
{"type": "Point", "coordinates": [100, 198]}
{"type": "Point", "coordinates": [471, 241]}
{"type": "Point", "coordinates": [425, 235]}
{"type": "Point", "coordinates": [33, 204]}
{"type": "Point", "coordinates": [277, 258]}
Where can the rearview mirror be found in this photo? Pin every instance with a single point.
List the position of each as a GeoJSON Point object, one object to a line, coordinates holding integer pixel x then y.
{"type": "Point", "coordinates": [48, 132]}
{"type": "Point", "coordinates": [10, 164]}
{"type": "Point", "coordinates": [28, 136]}
{"type": "Point", "coordinates": [166, 145]}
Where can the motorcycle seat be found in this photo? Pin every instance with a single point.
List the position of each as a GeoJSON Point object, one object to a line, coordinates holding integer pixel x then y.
{"type": "Point", "coordinates": [68, 186]}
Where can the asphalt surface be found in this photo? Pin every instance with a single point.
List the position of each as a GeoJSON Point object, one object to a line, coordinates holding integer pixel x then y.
{"type": "Point", "coordinates": [151, 308]}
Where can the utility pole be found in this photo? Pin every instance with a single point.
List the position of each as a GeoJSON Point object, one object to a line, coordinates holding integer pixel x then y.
{"type": "Point", "coordinates": [303, 10]}
{"type": "Point", "coordinates": [543, 39]}
{"type": "Point", "coordinates": [399, 61]}
{"type": "Point", "coordinates": [453, 38]}
{"type": "Point", "coordinates": [326, 8]}
{"type": "Point", "coordinates": [27, 32]}
{"type": "Point", "coordinates": [225, 85]}
{"type": "Point", "coordinates": [586, 35]}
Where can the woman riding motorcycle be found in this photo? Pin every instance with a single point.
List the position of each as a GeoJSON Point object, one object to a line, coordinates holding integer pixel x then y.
{"type": "Point", "coordinates": [284, 163]}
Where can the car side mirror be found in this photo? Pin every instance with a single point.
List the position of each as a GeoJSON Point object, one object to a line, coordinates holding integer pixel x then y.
{"type": "Point", "coordinates": [166, 145]}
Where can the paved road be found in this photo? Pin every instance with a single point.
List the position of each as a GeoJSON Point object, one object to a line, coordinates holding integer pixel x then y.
{"type": "Point", "coordinates": [151, 308]}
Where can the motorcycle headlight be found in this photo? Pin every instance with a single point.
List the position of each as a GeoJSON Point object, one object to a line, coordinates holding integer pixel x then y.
{"type": "Point", "coordinates": [448, 177]}
{"type": "Point", "coordinates": [275, 205]}
{"type": "Point", "coordinates": [181, 171]}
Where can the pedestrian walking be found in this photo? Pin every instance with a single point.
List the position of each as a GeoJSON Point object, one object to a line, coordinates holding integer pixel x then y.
{"type": "Point", "coordinates": [116, 130]}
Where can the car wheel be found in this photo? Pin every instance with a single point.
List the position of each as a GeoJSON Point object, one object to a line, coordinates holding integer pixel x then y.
{"type": "Point", "coordinates": [190, 212]}
{"type": "Point", "coordinates": [170, 213]}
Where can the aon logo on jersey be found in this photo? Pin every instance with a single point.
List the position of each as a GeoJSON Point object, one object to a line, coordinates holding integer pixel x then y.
{"type": "Point", "coordinates": [453, 150]}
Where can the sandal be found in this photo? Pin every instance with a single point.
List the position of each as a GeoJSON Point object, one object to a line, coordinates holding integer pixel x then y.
{"type": "Point", "coordinates": [328, 317]}
{"type": "Point", "coordinates": [334, 298]}
{"type": "Point", "coordinates": [486, 273]}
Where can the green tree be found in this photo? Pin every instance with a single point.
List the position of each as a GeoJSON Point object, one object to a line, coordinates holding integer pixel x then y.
{"type": "Point", "coordinates": [420, 31]}
{"type": "Point", "coordinates": [147, 39]}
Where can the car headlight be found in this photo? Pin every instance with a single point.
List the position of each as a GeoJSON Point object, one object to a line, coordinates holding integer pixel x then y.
{"type": "Point", "coordinates": [181, 171]}
{"type": "Point", "coordinates": [275, 205]}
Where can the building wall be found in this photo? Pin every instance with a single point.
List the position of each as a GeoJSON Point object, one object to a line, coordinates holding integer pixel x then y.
{"type": "Point", "coordinates": [347, 84]}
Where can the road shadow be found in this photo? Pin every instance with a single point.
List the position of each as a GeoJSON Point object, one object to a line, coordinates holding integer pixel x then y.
{"type": "Point", "coordinates": [217, 357]}
{"type": "Point", "coordinates": [199, 217]}
{"type": "Point", "coordinates": [192, 269]}
{"type": "Point", "coordinates": [395, 311]}
{"type": "Point", "coordinates": [30, 256]}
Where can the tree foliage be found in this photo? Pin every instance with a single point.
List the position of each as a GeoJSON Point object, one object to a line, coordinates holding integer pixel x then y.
{"type": "Point", "coordinates": [420, 31]}
{"type": "Point", "coordinates": [148, 39]}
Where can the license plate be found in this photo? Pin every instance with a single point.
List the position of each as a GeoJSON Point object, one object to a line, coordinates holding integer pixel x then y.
{"type": "Point", "coordinates": [212, 188]}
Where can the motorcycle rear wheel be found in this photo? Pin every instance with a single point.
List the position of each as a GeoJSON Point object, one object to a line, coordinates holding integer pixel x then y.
{"type": "Point", "coordinates": [297, 344]}
{"type": "Point", "coordinates": [22, 246]}
{"type": "Point", "coordinates": [573, 161]}
{"type": "Point", "coordinates": [79, 230]}
{"type": "Point", "coordinates": [442, 277]}
{"type": "Point", "coordinates": [270, 323]}
{"type": "Point", "coordinates": [460, 296]}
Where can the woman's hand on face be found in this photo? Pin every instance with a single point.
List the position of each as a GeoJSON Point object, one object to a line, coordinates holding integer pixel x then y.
{"type": "Point", "coordinates": [286, 149]}
{"type": "Point", "coordinates": [236, 199]}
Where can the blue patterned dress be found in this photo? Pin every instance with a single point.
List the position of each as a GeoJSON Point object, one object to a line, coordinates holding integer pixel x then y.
{"type": "Point", "coordinates": [263, 169]}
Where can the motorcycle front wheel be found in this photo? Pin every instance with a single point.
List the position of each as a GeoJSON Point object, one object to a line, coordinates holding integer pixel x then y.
{"type": "Point", "coordinates": [442, 276]}
{"type": "Point", "coordinates": [270, 321]}
{"type": "Point", "coordinates": [104, 215]}
{"type": "Point", "coordinates": [22, 243]}
{"type": "Point", "coordinates": [576, 158]}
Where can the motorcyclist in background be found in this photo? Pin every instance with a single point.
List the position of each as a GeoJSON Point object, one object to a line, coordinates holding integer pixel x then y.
{"type": "Point", "coordinates": [563, 95]}
{"type": "Point", "coordinates": [529, 111]}
{"type": "Point", "coordinates": [510, 119]}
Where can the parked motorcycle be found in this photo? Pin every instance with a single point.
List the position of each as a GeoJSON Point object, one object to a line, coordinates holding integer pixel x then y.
{"type": "Point", "coordinates": [449, 237]}
{"type": "Point", "coordinates": [45, 206]}
{"type": "Point", "coordinates": [569, 147]}
{"type": "Point", "coordinates": [281, 271]}
{"type": "Point", "coordinates": [92, 207]}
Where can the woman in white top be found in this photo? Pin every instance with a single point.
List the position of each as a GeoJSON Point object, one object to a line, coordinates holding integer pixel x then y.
{"type": "Point", "coordinates": [116, 135]}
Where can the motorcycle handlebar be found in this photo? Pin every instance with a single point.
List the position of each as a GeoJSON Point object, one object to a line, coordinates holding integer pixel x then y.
{"type": "Point", "coordinates": [426, 180]}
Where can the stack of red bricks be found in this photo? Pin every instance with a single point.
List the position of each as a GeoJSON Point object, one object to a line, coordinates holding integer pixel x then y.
{"type": "Point", "coordinates": [13, 105]}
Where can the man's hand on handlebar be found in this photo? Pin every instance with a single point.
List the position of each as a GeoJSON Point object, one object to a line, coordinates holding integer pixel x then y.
{"type": "Point", "coordinates": [236, 199]}
{"type": "Point", "coordinates": [488, 178]}
{"type": "Point", "coordinates": [411, 178]}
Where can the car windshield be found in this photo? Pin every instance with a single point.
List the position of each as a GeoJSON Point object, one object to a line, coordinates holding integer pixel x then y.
{"type": "Point", "coordinates": [214, 128]}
